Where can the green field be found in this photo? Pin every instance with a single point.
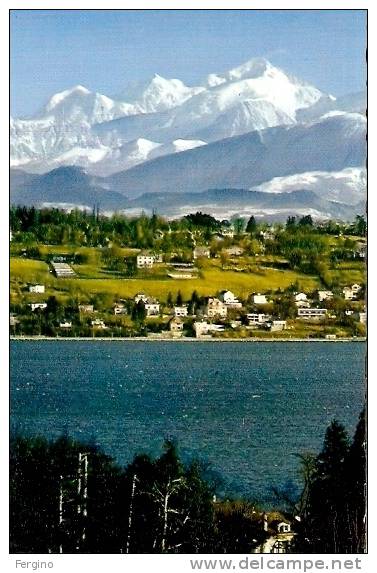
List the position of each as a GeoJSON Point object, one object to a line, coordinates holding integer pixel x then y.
{"type": "Point", "coordinates": [92, 279]}
{"type": "Point", "coordinates": [243, 276]}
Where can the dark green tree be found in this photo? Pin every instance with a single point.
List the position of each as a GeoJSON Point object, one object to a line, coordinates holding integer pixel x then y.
{"type": "Point", "coordinates": [169, 300]}
{"type": "Point", "coordinates": [322, 530]}
{"type": "Point", "coordinates": [179, 300]}
{"type": "Point", "coordinates": [251, 226]}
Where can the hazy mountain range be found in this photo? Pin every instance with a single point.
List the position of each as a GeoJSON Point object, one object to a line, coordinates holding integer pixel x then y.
{"type": "Point", "coordinates": [252, 128]}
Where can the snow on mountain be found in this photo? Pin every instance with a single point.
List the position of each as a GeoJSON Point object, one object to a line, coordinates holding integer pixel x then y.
{"type": "Point", "coordinates": [346, 186]}
{"type": "Point", "coordinates": [176, 146]}
{"type": "Point", "coordinates": [35, 142]}
{"type": "Point", "coordinates": [159, 94]}
{"type": "Point", "coordinates": [229, 106]}
{"type": "Point", "coordinates": [247, 116]}
{"type": "Point", "coordinates": [79, 105]}
{"type": "Point", "coordinates": [124, 157]}
{"type": "Point", "coordinates": [259, 79]}
{"type": "Point", "coordinates": [330, 144]}
{"type": "Point", "coordinates": [165, 117]}
{"type": "Point", "coordinates": [71, 187]}
{"type": "Point", "coordinates": [353, 103]}
{"type": "Point", "coordinates": [272, 92]}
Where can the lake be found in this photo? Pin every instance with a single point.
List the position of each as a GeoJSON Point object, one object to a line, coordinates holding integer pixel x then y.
{"type": "Point", "coordinates": [246, 408]}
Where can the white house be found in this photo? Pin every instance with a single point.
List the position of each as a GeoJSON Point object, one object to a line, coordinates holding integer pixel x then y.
{"type": "Point", "coordinates": [98, 323]}
{"type": "Point", "coordinates": [348, 293]}
{"type": "Point", "coordinates": [176, 326]}
{"type": "Point", "coordinates": [351, 292]}
{"type": "Point", "coordinates": [324, 295]}
{"type": "Point", "coordinates": [181, 310]}
{"type": "Point", "coordinates": [227, 232]}
{"type": "Point", "coordinates": [267, 235]}
{"type": "Point", "coordinates": [141, 296]}
{"type": "Point", "coordinates": [201, 252]}
{"type": "Point", "coordinates": [145, 261]}
{"type": "Point", "coordinates": [35, 305]}
{"type": "Point", "coordinates": [356, 288]}
{"type": "Point", "coordinates": [300, 297]}
{"type": "Point", "coordinates": [37, 288]}
{"type": "Point", "coordinates": [257, 318]}
{"type": "Point", "coordinates": [230, 299]}
{"type": "Point", "coordinates": [152, 306]}
{"type": "Point", "coordinates": [86, 308]}
{"type": "Point", "coordinates": [13, 320]}
{"type": "Point", "coordinates": [119, 309]}
{"type": "Point", "coordinates": [215, 307]}
{"type": "Point", "coordinates": [260, 299]}
{"type": "Point", "coordinates": [277, 325]}
{"type": "Point", "coordinates": [283, 527]}
{"type": "Point", "coordinates": [65, 324]}
{"type": "Point", "coordinates": [315, 313]}
{"type": "Point", "coordinates": [204, 328]}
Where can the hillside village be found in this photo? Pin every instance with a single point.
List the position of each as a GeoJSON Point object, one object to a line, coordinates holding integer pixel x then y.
{"type": "Point", "coordinates": [197, 277]}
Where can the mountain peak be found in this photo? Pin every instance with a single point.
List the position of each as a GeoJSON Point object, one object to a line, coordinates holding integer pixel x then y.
{"type": "Point", "coordinates": [253, 68]}
{"type": "Point", "coordinates": [59, 97]}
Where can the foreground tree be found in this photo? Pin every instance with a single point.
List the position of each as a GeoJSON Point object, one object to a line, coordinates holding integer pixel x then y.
{"type": "Point", "coordinates": [333, 515]}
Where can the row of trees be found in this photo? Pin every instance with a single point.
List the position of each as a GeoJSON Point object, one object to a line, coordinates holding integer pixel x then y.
{"type": "Point", "coordinates": [67, 496]}
{"type": "Point", "coordinates": [54, 226]}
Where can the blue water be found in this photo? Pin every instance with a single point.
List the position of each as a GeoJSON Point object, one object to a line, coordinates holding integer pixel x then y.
{"type": "Point", "coordinates": [244, 408]}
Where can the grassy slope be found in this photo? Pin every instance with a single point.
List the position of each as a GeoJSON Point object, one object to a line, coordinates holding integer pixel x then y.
{"type": "Point", "coordinates": [92, 278]}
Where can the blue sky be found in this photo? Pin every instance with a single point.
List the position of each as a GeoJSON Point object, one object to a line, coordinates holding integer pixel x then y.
{"type": "Point", "coordinates": [52, 50]}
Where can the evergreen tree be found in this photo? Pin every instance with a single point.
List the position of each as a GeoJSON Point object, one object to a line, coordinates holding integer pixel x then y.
{"type": "Point", "coordinates": [356, 474]}
{"type": "Point", "coordinates": [179, 298]}
{"type": "Point", "coordinates": [322, 530]}
{"type": "Point", "coordinates": [291, 222]}
{"type": "Point", "coordinates": [138, 313]}
{"type": "Point", "coordinates": [251, 226]}
{"type": "Point", "coordinates": [306, 221]}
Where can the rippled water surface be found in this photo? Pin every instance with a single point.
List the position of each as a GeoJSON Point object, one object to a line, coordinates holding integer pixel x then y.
{"type": "Point", "coordinates": [246, 408]}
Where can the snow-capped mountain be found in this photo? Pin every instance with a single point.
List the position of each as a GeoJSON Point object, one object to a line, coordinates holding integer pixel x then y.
{"type": "Point", "coordinates": [253, 127]}
{"type": "Point", "coordinates": [80, 127]}
{"type": "Point", "coordinates": [159, 94]}
{"type": "Point", "coordinates": [79, 105]}
{"type": "Point", "coordinates": [331, 144]}
{"type": "Point", "coordinates": [345, 186]}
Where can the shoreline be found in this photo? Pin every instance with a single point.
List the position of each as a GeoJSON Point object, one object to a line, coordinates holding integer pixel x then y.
{"type": "Point", "coordinates": [183, 339]}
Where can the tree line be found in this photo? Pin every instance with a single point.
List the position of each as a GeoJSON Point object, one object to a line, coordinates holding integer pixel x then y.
{"type": "Point", "coordinates": [57, 227]}
{"type": "Point", "coordinates": [70, 497]}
